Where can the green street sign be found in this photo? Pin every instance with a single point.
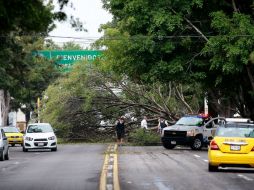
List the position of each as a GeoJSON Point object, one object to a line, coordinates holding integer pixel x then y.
{"type": "Point", "coordinates": [66, 58]}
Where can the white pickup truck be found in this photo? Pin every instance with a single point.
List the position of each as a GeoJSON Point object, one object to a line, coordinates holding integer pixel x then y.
{"type": "Point", "coordinates": [192, 130]}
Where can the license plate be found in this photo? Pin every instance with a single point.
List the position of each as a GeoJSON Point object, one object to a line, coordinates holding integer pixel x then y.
{"type": "Point", "coordinates": [173, 142]}
{"type": "Point", "coordinates": [235, 147]}
{"type": "Point", "coordinates": [40, 144]}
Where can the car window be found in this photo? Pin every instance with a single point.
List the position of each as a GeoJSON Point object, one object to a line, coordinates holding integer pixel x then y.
{"type": "Point", "coordinates": [11, 130]}
{"type": "Point", "coordinates": [239, 131]}
{"type": "Point", "coordinates": [39, 128]}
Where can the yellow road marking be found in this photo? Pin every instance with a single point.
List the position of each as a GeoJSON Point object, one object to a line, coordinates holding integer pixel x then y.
{"type": "Point", "coordinates": [115, 173]}
{"type": "Point", "coordinates": [103, 177]}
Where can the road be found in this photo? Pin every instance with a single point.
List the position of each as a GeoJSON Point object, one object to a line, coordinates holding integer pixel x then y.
{"type": "Point", "coordinates": [72, 167]}
{"type": "Point", "coordinates": [151, 168]}
{"type": "Point", "coordinates": [79, 167]}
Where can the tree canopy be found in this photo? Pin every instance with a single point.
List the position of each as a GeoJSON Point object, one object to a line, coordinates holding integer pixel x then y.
{"type": "Point", "coordinates": [209, 42]}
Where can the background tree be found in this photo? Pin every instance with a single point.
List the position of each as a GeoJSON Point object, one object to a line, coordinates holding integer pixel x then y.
{"type": "Point", "coordinates": [23, 27]}
{"type": "Point", "coordinates": [188, 42]}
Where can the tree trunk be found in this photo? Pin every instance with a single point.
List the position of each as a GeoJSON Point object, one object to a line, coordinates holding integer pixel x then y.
{"type": "Point", "coordinates": [4, 107]}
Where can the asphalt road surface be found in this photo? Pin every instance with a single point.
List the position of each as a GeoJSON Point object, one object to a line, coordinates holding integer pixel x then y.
{"type": "Point", "coordinates": [72, 167]}
{"type": "Point", "coordinates": [79, 166]}
{"type": "Point", "coordinates": [151, 168]}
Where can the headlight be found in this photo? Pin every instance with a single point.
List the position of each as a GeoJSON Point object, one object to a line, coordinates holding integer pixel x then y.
{"type": "Point", "coordinates": [191, 133]}
{"type": "Point", "coordinates": [29, 138]}
{"type": "Point", "coordinates": [52, 138]}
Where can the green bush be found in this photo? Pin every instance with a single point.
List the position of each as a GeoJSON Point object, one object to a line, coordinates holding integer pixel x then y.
{"type": "Point", "coordinates": [144, 137]}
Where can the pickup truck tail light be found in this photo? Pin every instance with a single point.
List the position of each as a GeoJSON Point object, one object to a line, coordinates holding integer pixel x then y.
{"type": "Point", "coordinates": [213, 145]}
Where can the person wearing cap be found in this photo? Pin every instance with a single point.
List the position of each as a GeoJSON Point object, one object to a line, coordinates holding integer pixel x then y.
{"type": "Point", "coordinates": [120, 130]}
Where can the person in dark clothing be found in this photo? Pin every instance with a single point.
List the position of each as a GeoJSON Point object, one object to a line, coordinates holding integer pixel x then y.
{"type": "Point", "coordinates": [162, 124]}
{"type": "Point", "coordinates": [120, 130]}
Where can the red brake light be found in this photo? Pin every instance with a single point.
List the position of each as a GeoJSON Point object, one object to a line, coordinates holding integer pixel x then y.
{"type": "Point", "coordinates": [213, 145]}
{"type": "Point", "coordinates": [252, 149]}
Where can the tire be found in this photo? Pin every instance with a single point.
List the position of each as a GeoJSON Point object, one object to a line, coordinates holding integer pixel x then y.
{"type": "Point", "coordinates": [197, 143]}
{"type": "Point", "coordinates": [212, 168]}
{"type": "Point", "coordinates": [168, 145]}
{"type": "Point", "coordinates": [12, 145]}
{"type": "Point", "coordinates": [25, 149]}
{"type": "Point", "coordinates": [54, 149]}
{"type": "Point", "coordinates": [6, 157]}
{"type": "Point", "coordinates": [2, 157]}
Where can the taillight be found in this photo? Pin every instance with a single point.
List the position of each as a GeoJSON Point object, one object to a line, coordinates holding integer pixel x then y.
{"type": "Point", "coordinates": [252, 149]}
{"type": "Point", "coordinates": [213, 145]}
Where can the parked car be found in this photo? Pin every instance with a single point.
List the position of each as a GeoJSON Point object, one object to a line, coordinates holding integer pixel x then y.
{"type": "Point", "coordinates": [192, 130]}
{"type": "Point", "coordinates": [14, 135]}
{"type": "Point", "coordinates": [233, 145]}
{"type": "Point", "coordinates": [39, 136]}
{"type": "Point", "coordinates": [4, 146]}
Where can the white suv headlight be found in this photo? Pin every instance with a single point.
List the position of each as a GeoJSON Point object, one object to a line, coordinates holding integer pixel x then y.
{"type": "Point", "coordinates": [29, 138]}
{"type": "Point", "coordinates": [191, 133]}
{"type": "Point", "coordinates": [52, 138]}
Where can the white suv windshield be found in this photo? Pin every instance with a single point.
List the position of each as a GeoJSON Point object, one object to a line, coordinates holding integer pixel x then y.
{"type": "Point", "coordinates": [191, 121]}
{"type": "Point", "coordinates": [39, 128]}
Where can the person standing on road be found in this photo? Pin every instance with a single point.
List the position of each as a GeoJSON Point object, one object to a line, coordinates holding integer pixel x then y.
{"type": "Point", "coordinates": [162, 124]}
{"type": "Point", "coordinates": [120, 130]}
{"type": "Point", "coordinates": [144, 123]}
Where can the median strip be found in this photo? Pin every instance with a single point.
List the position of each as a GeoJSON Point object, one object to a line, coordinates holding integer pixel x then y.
{"type": "Point", "coordinates": [109, 176]}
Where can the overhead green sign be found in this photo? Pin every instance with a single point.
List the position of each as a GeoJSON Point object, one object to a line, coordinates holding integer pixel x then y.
{"type": "Point", "coordinates": [66, 58]}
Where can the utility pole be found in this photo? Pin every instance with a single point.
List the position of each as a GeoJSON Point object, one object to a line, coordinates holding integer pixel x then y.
{"type": "Point", "coordinates": [38, 107]}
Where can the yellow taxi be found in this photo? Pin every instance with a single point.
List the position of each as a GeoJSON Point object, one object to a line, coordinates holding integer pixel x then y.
{"type": "Point", "coordinates": [14, 135]}
{"type": "Point", "coordinates": [232, 146]}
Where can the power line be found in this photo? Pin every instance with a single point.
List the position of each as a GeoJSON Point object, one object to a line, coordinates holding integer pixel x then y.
{"type": "Point", "coordinates": [130, 37]}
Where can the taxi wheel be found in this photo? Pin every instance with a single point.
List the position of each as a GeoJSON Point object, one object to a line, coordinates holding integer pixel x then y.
{"type": "Point", "coordinates": [197, 144]}
{"type": "Point", "coordinates": [212, 168]}
{"type": "Point", "coordinates": [2, 155]}
{"type": "Point", "coordinates": [12, 145]}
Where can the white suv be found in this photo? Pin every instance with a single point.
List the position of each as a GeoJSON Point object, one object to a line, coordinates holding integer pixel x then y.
{"type": "Point", "coordinates": [39, 136]}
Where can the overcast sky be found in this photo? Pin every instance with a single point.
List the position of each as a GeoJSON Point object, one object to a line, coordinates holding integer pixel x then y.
{"type": "Point", "coordinates": [91, 13]}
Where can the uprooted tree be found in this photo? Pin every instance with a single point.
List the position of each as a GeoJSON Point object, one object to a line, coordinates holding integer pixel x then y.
{"type": "Point", "coordinates": [78, 103]}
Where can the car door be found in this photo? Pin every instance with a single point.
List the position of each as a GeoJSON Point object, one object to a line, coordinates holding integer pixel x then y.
{"type": "Point", "coordinates": [210, 128]}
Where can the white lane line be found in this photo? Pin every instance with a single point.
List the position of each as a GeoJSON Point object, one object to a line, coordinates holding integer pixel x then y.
{"type": "Point", "coordinates": [245, 177]}
{"type": "Point", "coordinates": [111, 159]}
{"type": "Point", "coordinates": [197, 156]}
{"type": "Point", "coordinates": [110, 167]}
{"type": "Point", "coordinates": [110, 174]}
{"type": "Point", "coordinates": [109, 187]}
{"type": "Point", "coordinates": [162, 186]}
{"type": "Point", "coordinates": [205, 160]}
